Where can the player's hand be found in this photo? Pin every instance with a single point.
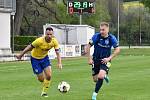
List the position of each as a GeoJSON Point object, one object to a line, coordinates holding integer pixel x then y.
{"type": "Point", "coordinates": [59, 66]}
{"type": "Point", "coordinates": [85, 50]}
{"type": "Point", "coordinates": [19, 57]}
{"type": "Point", "coordinates": [105, 60]}
{"type": "Point", "coordinates": [90, 61]}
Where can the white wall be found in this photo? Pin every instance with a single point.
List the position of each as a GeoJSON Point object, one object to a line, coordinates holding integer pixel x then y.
{"type": "Point", "coordinates": [58, 33]}
{"type": "Point", "coordinates": [82, 34]}
{"type": "Point", "coordinates": [90, 32]}
{"type": "Point", "coordinates": [4, 30]}
{"type": "Point", "coordinates": [72, 35]}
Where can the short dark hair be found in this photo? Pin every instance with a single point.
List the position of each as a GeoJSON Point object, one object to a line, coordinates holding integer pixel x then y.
{"type": "Point", "coordinates": [49, 28]}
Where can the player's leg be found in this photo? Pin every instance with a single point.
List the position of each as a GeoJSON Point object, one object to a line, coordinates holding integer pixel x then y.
{"type": "Point", "coordinates": [106, 78]}
{"type": "Point", "coordinates": [37, 67]}
{"type": "Point", "coordinates": [95, 72]}
{"type": "Point", "coordinates": [104, 68]}
{"type": "Point", "coordinates": [99, 83]}
{"type": "Point", "coordinates": [48, 72]}
{"type": "Point", "coordinates": [95, 78]}
{"type": "Point", "coordinates": [40, 77]}
{"type": "Point", "coordinates": [46, 67]}
{"type": "Point", "coordinates": [47, 80]}
{"type": "Point", "coordinates": [107, 69]}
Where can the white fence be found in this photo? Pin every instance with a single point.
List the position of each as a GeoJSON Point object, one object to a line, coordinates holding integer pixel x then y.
{"type": "Point", "coordinates": [65, 50]}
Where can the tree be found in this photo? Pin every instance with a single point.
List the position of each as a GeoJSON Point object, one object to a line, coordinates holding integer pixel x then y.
{"type": "Point", "coordinates": [20, 6]}
{"type": "Point", "coordinates": [135, 26]}
{"type": "Point", "coordinates": [101, 14]}
{"type": "Point", "coordinates": [38, 13]}
{"type": "Point", "coordinates": [129, 0]}
{"type": "Point", "coordinates": [146, 3]}
{"type": "Point", "coordinates": [113, 9]}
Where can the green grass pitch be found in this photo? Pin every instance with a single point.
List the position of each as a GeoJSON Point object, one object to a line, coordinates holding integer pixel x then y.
{"type": "Point", "coordinates": [129, 80]}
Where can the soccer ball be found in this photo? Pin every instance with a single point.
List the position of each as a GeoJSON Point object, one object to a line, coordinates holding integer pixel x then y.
{"type": "Point", "coordinates": [63, 87]}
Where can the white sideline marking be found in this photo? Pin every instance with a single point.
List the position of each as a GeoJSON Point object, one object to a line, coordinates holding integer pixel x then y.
{"type": "Point", "coordinates": [8, 67]}
{"type": "Point", "coordinates": [4, 70]}
{"type": "Point", "coordinates": [11, 68]}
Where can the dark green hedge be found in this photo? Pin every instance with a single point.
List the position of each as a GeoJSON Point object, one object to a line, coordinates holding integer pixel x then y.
{"type": "Point", "coordinates": [130, 0]}
{"type": "Point", "coordinates": [20, 42]}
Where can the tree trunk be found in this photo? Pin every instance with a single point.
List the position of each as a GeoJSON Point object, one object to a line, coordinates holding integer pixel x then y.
{"type": "Point", "coordinates": [20, 7]}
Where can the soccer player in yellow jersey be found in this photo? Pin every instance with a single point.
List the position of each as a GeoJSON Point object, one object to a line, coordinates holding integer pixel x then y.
{"type": "Point", "coordinates": [39, 58]}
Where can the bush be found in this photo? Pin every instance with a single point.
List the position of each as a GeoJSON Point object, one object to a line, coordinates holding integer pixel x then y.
{"type": "Point", "coordinates": [20, 42]}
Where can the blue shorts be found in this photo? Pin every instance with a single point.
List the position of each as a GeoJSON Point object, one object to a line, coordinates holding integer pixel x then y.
{"type": "Point", "coordinates": [38, 65]}
{"type": "Point", "coordinates": [97, 66]}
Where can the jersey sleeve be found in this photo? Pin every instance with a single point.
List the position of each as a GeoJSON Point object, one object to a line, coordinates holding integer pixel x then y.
{"type": "Point", "coordinates": [93, 40]}
{"type": "Point", "coordinates": [35, 43]}
{"type": "Point", "coordinates": [56, 45]}
{"type": "Point", "coordinates": [114, 42]}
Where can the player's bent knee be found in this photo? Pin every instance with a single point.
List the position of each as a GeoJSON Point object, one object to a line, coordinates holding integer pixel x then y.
{"type": "Point", "coordinates": [41, 79]}
{"type": "Point", "coordinates": [95, 78]}
{"type": "Point", "coordinates": [101, 77]}
{"type": "Point", "coordinates": [48, 77]}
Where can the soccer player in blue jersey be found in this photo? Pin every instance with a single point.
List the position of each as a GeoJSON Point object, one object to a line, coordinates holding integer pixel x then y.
{"type": "Point", "coordinates": [102, 41]}
{"type": "Point", "coordinates": [41, 64]}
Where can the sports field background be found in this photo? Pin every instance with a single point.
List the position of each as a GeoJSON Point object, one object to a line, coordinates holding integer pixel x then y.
{"type": "Point", "coordinates": [129, 79]}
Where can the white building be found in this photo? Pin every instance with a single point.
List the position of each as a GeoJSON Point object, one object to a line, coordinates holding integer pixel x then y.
{"type": "Point", "coordinates": [7, 8]}
{"type": "Point", "coordinates": [4, 32]}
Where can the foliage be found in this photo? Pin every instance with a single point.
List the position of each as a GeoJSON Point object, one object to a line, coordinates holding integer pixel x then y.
{"type": "Point", "coordinates": [146, 3]}
{"type": "Point", "coordinates": [135, 25]}
{"type": "Point", "coordinates": [38, 14]}
{"type": "Point", "coordinates": [130, 5]}
{"type": "Point", "coordinates": [130, 0]}
{"type": "Point", "coordinates": [100, 15]}
{"type": "Point", "coordinates": [64, 16]}
{"type": "Point", "coordinates": [20, 42]}
{"type": "Point", "coordinates": [134, 18]}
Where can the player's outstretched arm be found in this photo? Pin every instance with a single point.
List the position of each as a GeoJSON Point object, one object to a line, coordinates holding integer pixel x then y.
{"type": "Point", "coordinates": [28, 48]}
{"type": "Point", "coordinates": [59, 59]}
{"type": "Point", "coordinates": [115, 53]}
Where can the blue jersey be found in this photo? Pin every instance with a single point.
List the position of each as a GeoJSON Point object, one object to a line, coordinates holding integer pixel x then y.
{"type": "Point", "coordinates": [102, 46]}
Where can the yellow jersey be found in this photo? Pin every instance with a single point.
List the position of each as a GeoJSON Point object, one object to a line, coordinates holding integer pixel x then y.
{"type": "Point", "coordinates": [41, 47]}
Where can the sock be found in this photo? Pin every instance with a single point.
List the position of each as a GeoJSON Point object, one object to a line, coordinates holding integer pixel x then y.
{"type": "Point", "coordinates": [46, 85]}
{"type": "Point", "coordinates": [98, 85]}
{"type": "Point", "coordinates": [94, 94]}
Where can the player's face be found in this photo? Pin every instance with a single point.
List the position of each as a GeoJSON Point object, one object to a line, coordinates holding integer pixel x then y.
{"type": "Point", "coordinates": [49, 35]}
{"type": "Point", "coordinates": [104, 30]}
